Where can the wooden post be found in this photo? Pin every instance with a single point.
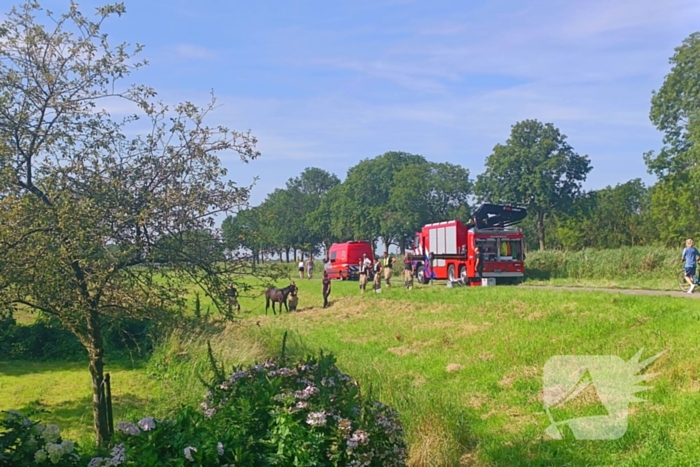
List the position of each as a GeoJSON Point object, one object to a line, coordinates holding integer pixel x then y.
{"type": "Point", "coordinates": [108, 402]}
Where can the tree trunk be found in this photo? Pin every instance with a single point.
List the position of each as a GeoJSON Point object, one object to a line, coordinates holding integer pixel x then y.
{"type": "Point", "coordinates": [385, 240]}
{"type": "Point", "coordinates": [96, 353]}
{"type": "Point", "coordinates": [286, 252]}
{"type": "Point", "coordinates": [540, 228]}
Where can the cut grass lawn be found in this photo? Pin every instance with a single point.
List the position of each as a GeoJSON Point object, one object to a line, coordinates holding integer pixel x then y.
{"type": "Point", "coordinates": [463, 366]}
{"type": "Point", "coordinates": [64, 390]}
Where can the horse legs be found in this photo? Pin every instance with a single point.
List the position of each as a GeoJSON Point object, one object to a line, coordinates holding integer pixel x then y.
{"type": "Point", "coordinates": [285, 306]}
{"type": "Point", "coordinates": [267, 303]}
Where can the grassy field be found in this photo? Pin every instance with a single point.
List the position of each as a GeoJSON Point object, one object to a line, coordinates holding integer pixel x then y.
{"type": "Point", "coordinates": [463, 366]}
{"type": "Point", "coordinates": [63, 389]}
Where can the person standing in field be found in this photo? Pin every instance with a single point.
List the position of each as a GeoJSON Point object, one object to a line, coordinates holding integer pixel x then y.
{"type": "Point", "coordinates": [690, 255]}
{"type": "Point", "coordinates": [408, 272]}
{"type": "Point", "coordinates": [364, 270]}
{"type": "Point", "coordinates": [310, 267]}
{"type": "Point", "coordinates": [301, 269]}
{"type": "Point", "coordinates": [326, 289]}
{"type": "Point", "coordinates": [232, 298]}
{"type": "Point", "coordinates": [479, 256]}
{"type": "Point", "coordinates": [387, 264]}
{"type": "Point", "coordinates": [377, 282]}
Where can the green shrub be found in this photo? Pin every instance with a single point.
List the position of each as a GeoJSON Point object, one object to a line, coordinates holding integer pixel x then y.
{"type": "Point", "coordinates": [45, 339]}
{"type": "Point", "coordinates": [308, 414]}
{"type": "Point", "coordinates": [24, 442]}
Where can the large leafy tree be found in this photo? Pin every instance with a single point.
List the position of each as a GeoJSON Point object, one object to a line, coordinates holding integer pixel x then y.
{"type": "Point", "coordinates": [324, 224]}
{"type": "Point", "coordinates": [608, 218]}
{"type": "Point", "coordinates": [427, 192]}
{"type": "Point", "coordinates": [282, 221]}
{"type": "Point", "coordinates": [362, 209]}
{"type": "Point", "coordinates": [536, 167]}
{"type": "Point", "coordinates": [449, 189]}
{"type": "Point", "coordinates": [309, 190]}
{"type": "Point", "coordinates": [243, 230]}
{"type": "Point", "coordinates": [84, 207]}
{"type": "Point", "coordinates": [675, 110]}
{"type": "Point", "coordinates": [675, 208]}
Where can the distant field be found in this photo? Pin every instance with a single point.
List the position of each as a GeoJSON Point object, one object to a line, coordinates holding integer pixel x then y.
{"type": "Point", "coordinates": [463, 366]}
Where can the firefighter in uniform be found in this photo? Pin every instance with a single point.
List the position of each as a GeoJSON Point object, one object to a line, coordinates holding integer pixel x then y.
{"type": "Point", "coordinates": [377, 283]}
{"type": "Point", "coordinates": [387, 263]}
{"type": "Point", "coordinates": [408, 272]}
{"type": "Point", "coordinates": [363, 275]}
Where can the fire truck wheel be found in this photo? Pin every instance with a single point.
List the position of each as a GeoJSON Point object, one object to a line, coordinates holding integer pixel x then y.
{"type": "Point", "coordinates": [420, 274]}
{"type": "Point", "coordinates": [463, 273]}
{"type": "Point", "coordinates": [451, 272]}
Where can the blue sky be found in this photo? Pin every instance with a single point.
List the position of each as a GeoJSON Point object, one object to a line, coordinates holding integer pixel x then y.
{"type": "Point", "coordinates": [326, 84]}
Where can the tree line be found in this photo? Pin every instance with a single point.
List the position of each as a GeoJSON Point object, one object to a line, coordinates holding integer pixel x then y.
{"type": "Point", "coordinates": [388, 198]}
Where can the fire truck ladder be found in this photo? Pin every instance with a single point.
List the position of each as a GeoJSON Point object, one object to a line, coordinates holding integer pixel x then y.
{"type": "Point", "coordinates": [497, 215]}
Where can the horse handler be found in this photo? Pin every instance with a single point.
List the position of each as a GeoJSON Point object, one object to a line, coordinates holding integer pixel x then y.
{"type": "Point", "coordinates": [387, 264]}
{"type": "Point", "coordinates": [232, 298]}
{"type": "Point", "coordinates": [326, 289]}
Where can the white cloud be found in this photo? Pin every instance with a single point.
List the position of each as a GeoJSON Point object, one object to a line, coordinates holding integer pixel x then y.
{"type": "Point", "coordinates": [195, 52]}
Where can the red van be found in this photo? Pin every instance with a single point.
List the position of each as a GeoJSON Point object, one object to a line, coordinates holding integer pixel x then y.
{"type": "Point", "coordinates": [344, 259]}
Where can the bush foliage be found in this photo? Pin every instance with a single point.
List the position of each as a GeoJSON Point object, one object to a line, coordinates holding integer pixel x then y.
{"type": "Point", "coordinates": [25, 442]}
{"type": "Point", "coordinates": [46, 339]}
{"type": "Point", "coordinates": [303, 414]}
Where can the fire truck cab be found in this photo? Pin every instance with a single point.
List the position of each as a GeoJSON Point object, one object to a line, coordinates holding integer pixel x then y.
{"type": "Point", "coordinates": [445, 250]}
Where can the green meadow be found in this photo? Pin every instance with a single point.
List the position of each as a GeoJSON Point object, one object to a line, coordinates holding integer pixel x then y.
{"type": "Point", "coordinates": [463, 366]}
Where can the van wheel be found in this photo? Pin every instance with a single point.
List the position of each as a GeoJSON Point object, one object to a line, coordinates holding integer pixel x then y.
{"type": "Point", "coordinates": [463, 273]}
{"type": "Point", "coordinates": [451, 272]}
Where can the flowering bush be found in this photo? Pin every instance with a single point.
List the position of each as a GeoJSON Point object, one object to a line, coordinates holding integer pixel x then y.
{"type": "Point", "coordinates": [309, 414]}
{"type": "Point", "coordinates": [24, 442]}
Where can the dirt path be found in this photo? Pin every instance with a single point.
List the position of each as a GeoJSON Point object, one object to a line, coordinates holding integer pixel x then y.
{"type": "Point", "coordinates": [622, 291]}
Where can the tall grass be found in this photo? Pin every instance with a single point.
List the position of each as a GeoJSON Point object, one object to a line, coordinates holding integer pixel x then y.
{"type": "Point", "coordinates": [634, 267]}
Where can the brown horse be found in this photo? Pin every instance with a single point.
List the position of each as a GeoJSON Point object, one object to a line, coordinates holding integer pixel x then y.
{"type": "Point", "coordinates": [279, 296]}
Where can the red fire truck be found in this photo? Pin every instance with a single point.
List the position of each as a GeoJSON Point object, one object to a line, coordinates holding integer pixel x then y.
{"type": "Point", "coordinates": [445, 250]}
